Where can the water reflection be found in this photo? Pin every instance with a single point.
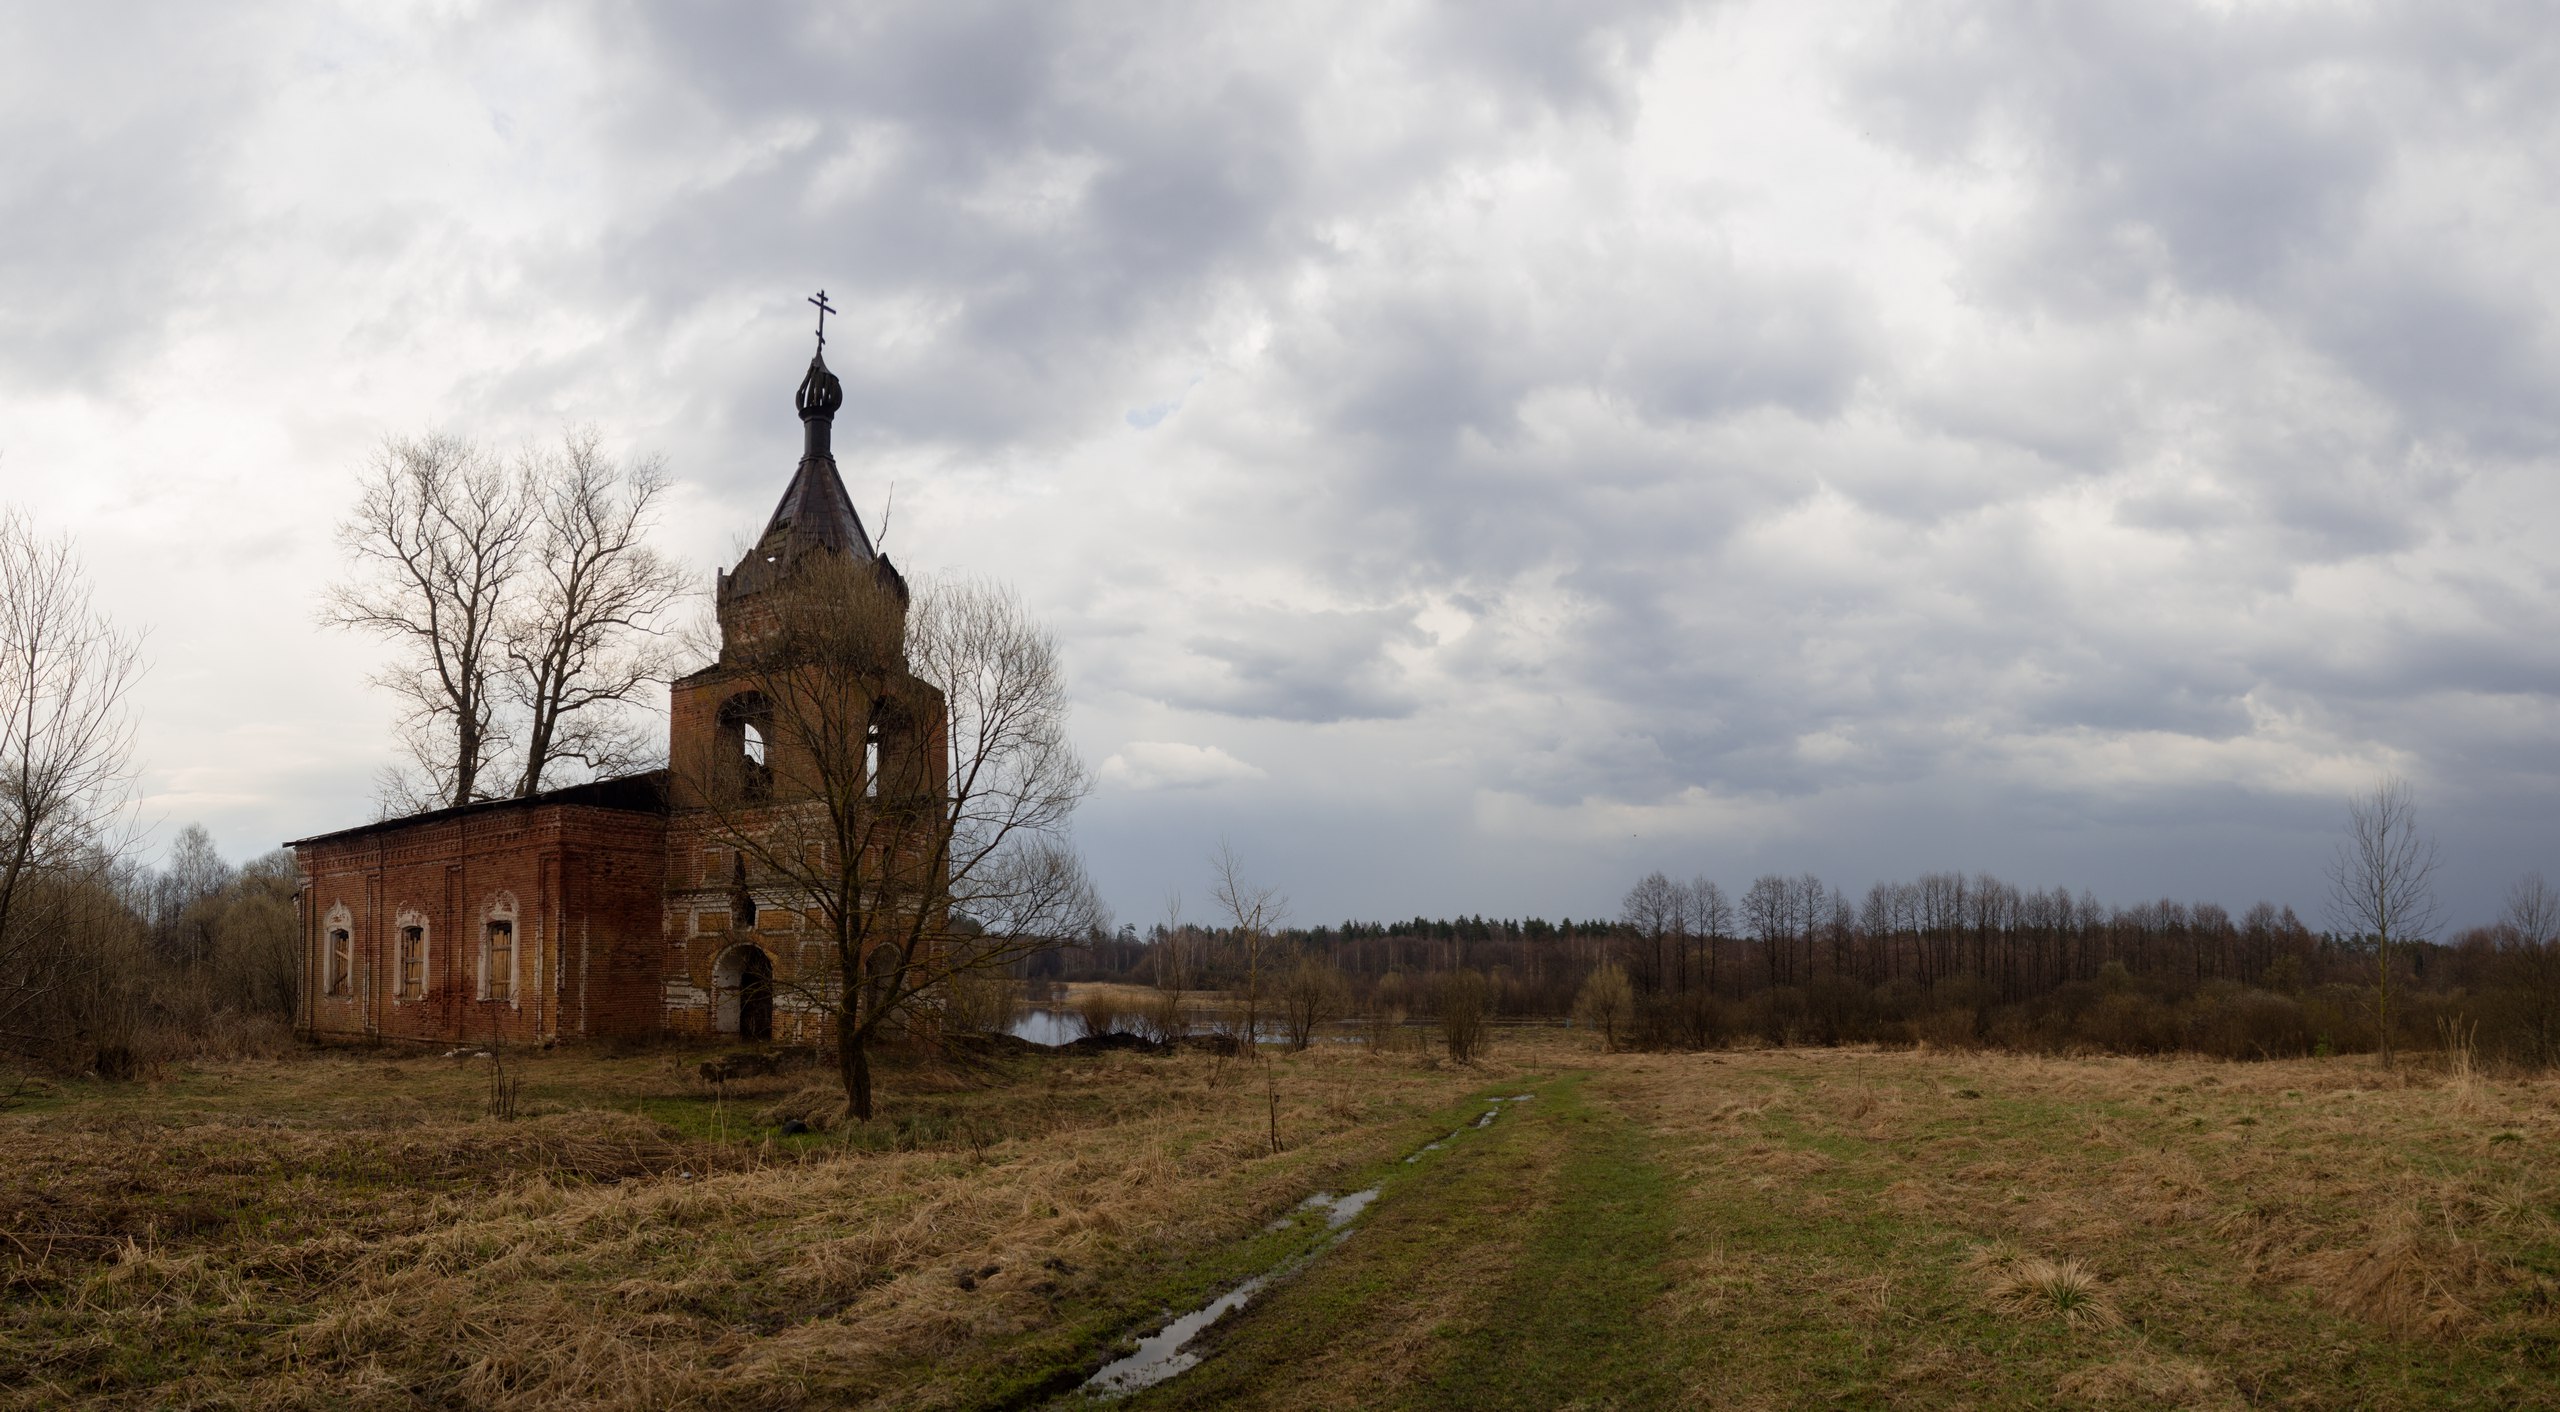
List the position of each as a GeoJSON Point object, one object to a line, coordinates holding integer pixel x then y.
{"type": "Point", "coordinates": [1047, 1027]}
{"type": "Point", "coordinates": [1165, 1353]}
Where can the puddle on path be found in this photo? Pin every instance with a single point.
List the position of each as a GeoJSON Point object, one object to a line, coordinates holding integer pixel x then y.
{"type": "Point", "coordinates": [1166, 1354]}
{"type": "Point", "coordinates": [1162, 1355]}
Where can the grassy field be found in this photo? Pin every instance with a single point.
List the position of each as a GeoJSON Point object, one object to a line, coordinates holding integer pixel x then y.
{"type": "Point", "coordinates": [1764, 1229]}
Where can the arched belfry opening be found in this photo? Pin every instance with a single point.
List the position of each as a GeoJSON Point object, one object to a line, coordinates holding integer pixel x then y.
{"type": "Point", "coordinates": [745, 744]}
{"type": "Point", "coordinates": [743, 981]}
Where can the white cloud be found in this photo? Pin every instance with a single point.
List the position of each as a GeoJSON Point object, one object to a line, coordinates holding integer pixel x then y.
{"type": "Point", "coordinates": [1967, 439]}
{"type": "Point", "coordinates": [1170, 764]}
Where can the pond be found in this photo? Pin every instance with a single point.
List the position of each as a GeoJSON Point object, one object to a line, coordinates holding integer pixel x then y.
{"type": "Point", "coordinates": [1046, 1026]}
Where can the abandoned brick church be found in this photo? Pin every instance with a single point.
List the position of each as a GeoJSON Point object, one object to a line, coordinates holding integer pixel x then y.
{"type": "Point", "coordinates": [615, 908]}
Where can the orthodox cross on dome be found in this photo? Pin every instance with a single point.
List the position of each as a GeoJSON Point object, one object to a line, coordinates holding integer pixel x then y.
{"type": "Point", "coordinates": [824, 309]}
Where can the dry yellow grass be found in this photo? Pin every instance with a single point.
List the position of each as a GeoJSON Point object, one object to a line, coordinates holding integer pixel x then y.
{"type": "Point", "coordinates": [2183, 1228]}
{"type": "Point", "coordinates": [1902, 1229]}
{"type": "Point", "coordinates": [242, 1251]}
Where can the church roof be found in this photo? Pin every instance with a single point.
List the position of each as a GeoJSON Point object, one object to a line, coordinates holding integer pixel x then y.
{"type": "Point", "coordinates": [643, 793]}
{"type": "Point", "coordinates": [815, 513]}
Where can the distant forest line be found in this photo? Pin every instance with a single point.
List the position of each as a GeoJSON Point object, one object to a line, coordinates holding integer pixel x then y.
{"type": "Point", "coordinates": [1948, 959]}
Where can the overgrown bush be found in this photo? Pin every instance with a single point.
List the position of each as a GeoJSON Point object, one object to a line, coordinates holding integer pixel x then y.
{"type": "Point", "coordinates": [1162, 1019]}
{"type": "Point", "coordinates": [1311, 995]}
{"type": "Point", "coordinates": [1099, 1013]}
{"type": "Point", "coordinates": [1464, 1015]}
{"type": "Point", "coordinates": [1606, 1003]}
{"type": "Point", "coordinates": [981, 1002]}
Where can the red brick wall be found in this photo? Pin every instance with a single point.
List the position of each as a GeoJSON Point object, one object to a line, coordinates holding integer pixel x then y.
{"type": "Point", "coordinates": [700, 882]}
{"type": "Point", "coordinates": [584, 886]}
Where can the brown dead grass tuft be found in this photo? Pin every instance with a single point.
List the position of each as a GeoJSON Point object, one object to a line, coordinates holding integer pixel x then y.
{"type": "Point", "coordinates": [2150, 1380]}
{"type": "Point", "coordinates": [2033, 1287]}
{"type": "Point", "coordinates": [2407, 1277]}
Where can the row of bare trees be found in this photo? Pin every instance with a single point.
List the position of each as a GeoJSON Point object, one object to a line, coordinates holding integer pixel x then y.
{"type": "Point", "coordinates": [103, 963]}
{"type": "Point", "coordinates": [66, 735]}
{"type": "Point", "coordinates": [1971, 959]}
{"type": "Point", "coordinates": [525, 608]}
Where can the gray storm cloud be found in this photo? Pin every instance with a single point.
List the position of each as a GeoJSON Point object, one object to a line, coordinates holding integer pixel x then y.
{"type": "Point", "coordinates": [1473, 454]}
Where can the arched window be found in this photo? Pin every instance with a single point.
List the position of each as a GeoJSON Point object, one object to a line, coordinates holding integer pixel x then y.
{"type": "Point", "coordinates": [746, 735]}
{"type": "Point", "coordinates": [498, 951]}
{"type": "Point", "coordinates": [409, 970]}
{"type": "Point", "coordinates": [338, 953]}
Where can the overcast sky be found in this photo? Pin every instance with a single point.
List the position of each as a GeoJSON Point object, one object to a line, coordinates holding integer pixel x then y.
{"type": "Point", "coordinates": [1472, 454]}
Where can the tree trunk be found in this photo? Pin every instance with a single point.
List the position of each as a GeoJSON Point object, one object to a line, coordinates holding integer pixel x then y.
{"type": "Point", "coordinates": [853, 1064]}
{"type": "Point", "coordinates": [2385, 978]}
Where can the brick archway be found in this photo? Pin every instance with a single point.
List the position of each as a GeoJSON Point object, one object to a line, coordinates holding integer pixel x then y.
{"type": "Point", "coordinates": [742, 992]}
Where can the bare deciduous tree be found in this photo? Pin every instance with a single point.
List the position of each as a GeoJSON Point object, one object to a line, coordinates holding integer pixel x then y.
{"type": "Point", "coordinates": [439, 536]}
{"type": "Point", "coordinates": [2533, 910]}
{"type": "Point", "coordinates": [2381, 880]}
{"type": "Point", "coordinates": [1172, 952]}
{"type": "Point", "coordinates": [66, 742]}
{"type": "Point", "coordinates": [916, 875]}
{"type": "Point", "coordinates": [181, 900]}
{"type": "Point", "coordinates": [1657, 911]}
{"type": "Point", "coordinates": [2532, 966]}
{"type": "Point", "coordinates": [524, 605]}
{"type": "Point", "coordinates": [1312, 995]}
{"type": "Point", "coordinates": [1712, 912]}
{"type": "Point", "coordinates": [1255, 912]}
{"type": "Point", "coordinates": [591, 631]}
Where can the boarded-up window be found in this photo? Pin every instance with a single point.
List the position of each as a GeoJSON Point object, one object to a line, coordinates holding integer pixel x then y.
{"type": "Point", "coordinates": [498, 963]}
{"type": "Point", "coordinates": [413, 960]}
{"type": "Point", "coordinates": [342, 961]}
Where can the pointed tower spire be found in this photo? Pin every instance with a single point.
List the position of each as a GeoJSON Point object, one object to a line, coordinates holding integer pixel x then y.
{"type": "Point", "coordinates": [815, 515]}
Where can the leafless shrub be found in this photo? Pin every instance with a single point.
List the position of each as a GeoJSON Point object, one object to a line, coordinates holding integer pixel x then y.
{"type": "Point", "coordinates": [981, 1002]}
{"type": "Point", "coordinates": [1162, 1018]}
{"type": "Point", "coordinates": [1606, 1003]}
{"type": "Point", "coordinates": [1312, 995]}
{"type": "Point", "coordinates": [1099, 1013]}
{"type": "Point", "coordinates": [1465, 1010]}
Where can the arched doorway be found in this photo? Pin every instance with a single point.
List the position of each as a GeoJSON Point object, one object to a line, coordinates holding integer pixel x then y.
{"type": "Point", "coordinates": [742, 980]}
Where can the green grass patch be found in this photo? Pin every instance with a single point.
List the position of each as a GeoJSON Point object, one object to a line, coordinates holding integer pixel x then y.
{"type": "Point", "coordinates": [1514, 1267]}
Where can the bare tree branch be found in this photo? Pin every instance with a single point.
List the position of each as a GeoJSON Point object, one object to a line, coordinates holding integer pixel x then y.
{"type": "Point", "coordinates": [593, 628]}
{"type": "Point", "coordinates": [1255, 912]}
{"type": "Point", "coordinates": [2381, 881]}
{"type": "Point", "coordinates": [66, 749]}
{"type": "Point", "coordinates": [914, 791]}
{"type": "Point", "coordinates": [439, 535]}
